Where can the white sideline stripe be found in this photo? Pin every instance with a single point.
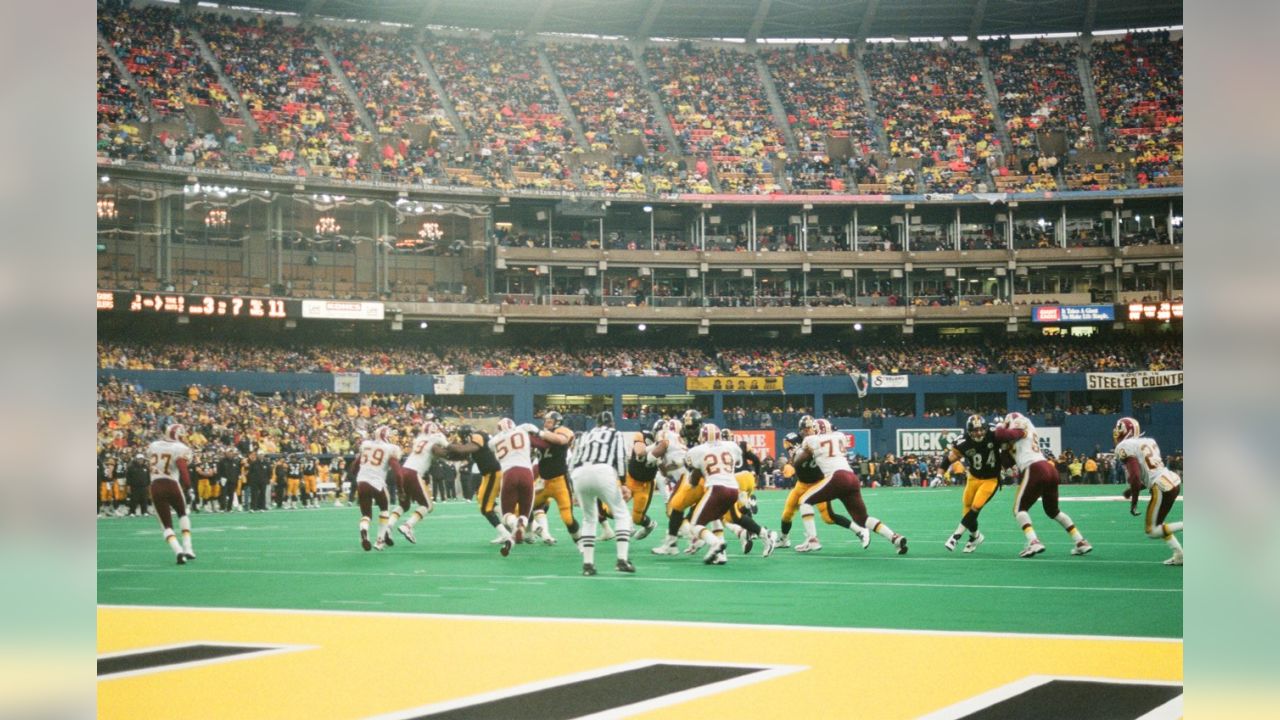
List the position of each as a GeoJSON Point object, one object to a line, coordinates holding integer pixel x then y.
{"type": "Point", "coordinates": [765, 672]}
{"type": "Point", "coordinates": [635, 578]}
{"type": "Point", "coordinates": [971, 705]}
{"type": "Point", "coordinates": [646, 623]}
{"type": "Point", "coordinates": [1104, 498]}
{"type": "Point", "coordinates": [266, 649]}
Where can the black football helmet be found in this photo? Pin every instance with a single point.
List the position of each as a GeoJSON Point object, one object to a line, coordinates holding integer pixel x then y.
{"type": "Point", "coordinates": [692, 424]}
{"type": "Point", "coordinates": [605, 418]}
{"type": "Point", "coordinates": [556, 419]}
{"type": "Point", "coordinates": [975, 427]}
{"type": "Point", "coordinates": [791, 440]}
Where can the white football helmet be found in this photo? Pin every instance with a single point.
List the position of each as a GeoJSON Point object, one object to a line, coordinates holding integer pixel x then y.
{"type": "Point", "coordinates": [1126, 427]}
{"type": "Point", "coordinates": [431, 427]}
{"type": "Point", "coordinates": [1016, 420]}
{"type": "Point", "coordinates": [175, 432]}
{"type": "Point", "coordinates": [382, 433]}
{"type": "Point", "coordinates": [506, 424]}
{"type": "Point", "coordinates": [822, 426]}
{"type": "Point", "coordinates": [673, 426]}
{"type": "Point", "coordinates": [708, 433]}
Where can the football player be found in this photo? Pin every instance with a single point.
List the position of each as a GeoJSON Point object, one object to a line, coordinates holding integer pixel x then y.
{"type": "Point", "coordinates": [427, 446]}
{"type": "Point", "coordinates": [168, 459]}
{"type": "Point", "coordinates": [741, 517]}
{"type": "Point", "coordinates": [310, 471]}
{"type": "Point", "coordinates": [553, 471]}
{"type": "Point", "coordinates": [368, 472]}
{"type": "Point", "coordinates": [980, 453]}
{"type": "Point", "coordinates": [1144, 468]}
{"type": "Point", "coordinates": [294, 470]}
{"type": "Point", "coordinates": [670, 452]}
{"type": "Point", "coordinates": [642, 473]}
{"type": "Point", "coordinates": [829, 449]}
{"type": "Point", "coordinates": [712, 461]}
{"type": "Point", "coordinates": [1039, 479]}
{"type": "Point", "coordinates": [473, 445]}
{"type": "Point", "coordinates": [807, 474]}
{"type": "Point", "coordinates": [512, 447]}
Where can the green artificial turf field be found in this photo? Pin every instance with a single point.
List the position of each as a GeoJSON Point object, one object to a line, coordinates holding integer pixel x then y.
{"type": "Point", "coordinates": [311, 559]}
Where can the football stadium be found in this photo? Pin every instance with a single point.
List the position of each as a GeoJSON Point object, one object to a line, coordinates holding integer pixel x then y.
{"type": "Point", "coordinates": [649, 359]}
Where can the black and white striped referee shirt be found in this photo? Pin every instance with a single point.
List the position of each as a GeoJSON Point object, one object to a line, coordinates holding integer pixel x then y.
{"type": "Point", "coordinates": [601, 446]}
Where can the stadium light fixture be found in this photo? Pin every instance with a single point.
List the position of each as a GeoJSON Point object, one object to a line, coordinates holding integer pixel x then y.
{"type": "Point", "coordinates": [423, 324]}
{"type": "Point", "coordinates": [105, 178]}
{"type": "Point", "coordinates": [640, 327]}
{"type": "Point", "coordinates": [648, 208]}
{"type": "Point", "coordinates": [857, 327]}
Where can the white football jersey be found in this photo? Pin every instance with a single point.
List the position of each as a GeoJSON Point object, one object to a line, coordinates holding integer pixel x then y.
{"type": "Point", "coordinates": [1151, 466]}
{"type": "Point", "coordinates": [420, 455]}
{"type": "Point", "coordinates": [672, 461]}
{"type": "Point", "coordinates": [1027, 450]}
{"type": "Point", "coordinates": [375, 458]}
{"type": "Point", "coordinates": [163, 457]}
{"type": "Point", "coordinates": [829, 451]}
{"type": "Point", "coordinates": [513, 447]}
{"type": "Point", "coordinates": [716, 460]}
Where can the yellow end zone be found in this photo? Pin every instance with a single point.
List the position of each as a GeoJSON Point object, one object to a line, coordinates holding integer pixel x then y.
{"type": "Point", "coordinates": [358, 665]}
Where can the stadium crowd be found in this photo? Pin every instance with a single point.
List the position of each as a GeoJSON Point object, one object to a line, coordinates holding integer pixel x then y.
{"type": "Point", "coordinates": [933, 108]}
{"type": "Point", "coordinates": [954, 357]}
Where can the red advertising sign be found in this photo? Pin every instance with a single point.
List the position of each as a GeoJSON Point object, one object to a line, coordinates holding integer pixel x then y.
{"type": "Point", "coordinates": [759, 441]}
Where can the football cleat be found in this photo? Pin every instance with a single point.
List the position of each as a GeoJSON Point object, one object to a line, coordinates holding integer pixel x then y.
{"type": "Point", "coordinates": [182, 559]}
{"type": "Point", "coordinates": [783, 542]}
{"type": "Point", "coordinates": [900, 542]}
{"type": "Point", "coordinates": [748, 542]}
{"type": "Point", "coordinates": [864, 537]}
{"type": "Point", "coordinates": [719, 559]}
{"type": "Point", "coordinates": [506, 547]}
{"type": "Point", "coordinates": [809, 545]}
{"type": "Point", "coordinates": [1175, 560]}
{"type": "Point", "coordinates": [385, 538]}
{"type": "Point", "coordinates": [950, 544]}
{"type": "Point", "coordinates": [974, 542]}
{"type": "Point", "coordinates": [1032, 549]}
{"type": "Point", "coordinates": [519, 533]}
{"type": "Point", "coordinates": [1082, 548]}
{"type": "Point", "coordinates": [626, 566]}
{"type": "Point", "coordinates": [694, 546]}
{"type": "Point", "coordinates": [644, 530]}
{"type": "Point", "coordinates": [713, 550]}
{"type": "Point", "coordinates": [665, 549]}
{"type": "Point", "coordinates": [189, 554]}
{"type": "Point", "coordinates": [379, 545]}
{"type": "Point", "coordinates": [588, 569]}
{"type": "Point", "coordinates": [364, 541]}
{"type": "Point", "coordinates": [770, 542]}
{"type": "Point", "coordinates": [407, 532]}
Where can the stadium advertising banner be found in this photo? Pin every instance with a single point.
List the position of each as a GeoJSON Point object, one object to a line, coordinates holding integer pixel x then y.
{"type": "Point", "coordinates": [1133, 380]}
{"type": "Point", "coordinates": [733, 384]}
{"type": "Point", "coordinates": [889, 381]}
{"type": "Point", "coordinates": [346, 383]}
{"type": "Point", "coordinates": [449, 384]}
{"type": "Point", "coordinates": [935, 441]}
{"type": "Point", "coordinates": [342, 309]}
{"type": "Point", "coordinates": [930, 441]}
{"type": "Point", "coordinates": [859, 443]}
{"type": "Point", "coordinates": [759, 442]}
{"type": "Point", "coordinates": [1073, 313]}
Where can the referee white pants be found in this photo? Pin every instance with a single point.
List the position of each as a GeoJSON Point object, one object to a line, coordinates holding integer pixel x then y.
{"type": "Point", "coordinates": [600, 482]}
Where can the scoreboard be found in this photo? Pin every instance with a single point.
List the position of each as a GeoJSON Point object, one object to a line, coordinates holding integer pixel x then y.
{"type": "Point", "coordinates": [163, 303]}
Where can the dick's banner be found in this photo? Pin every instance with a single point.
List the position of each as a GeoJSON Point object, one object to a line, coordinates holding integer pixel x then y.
{"type": "Point", "coordinates": [935, 441]}
{"type": "Point", "coordinates": [733, 384]}
{"type": "Point", "coordinates": [1133, 380]}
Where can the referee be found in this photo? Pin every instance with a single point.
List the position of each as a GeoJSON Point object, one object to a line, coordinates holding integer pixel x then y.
{"type": "Point", "coordinates": [599, 462]}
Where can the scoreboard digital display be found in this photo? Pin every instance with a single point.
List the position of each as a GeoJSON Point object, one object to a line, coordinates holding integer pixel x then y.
{"type": "Point", "coordinates": [1159, 312]}
{"type": "Point", "coordinates": [161, 303]}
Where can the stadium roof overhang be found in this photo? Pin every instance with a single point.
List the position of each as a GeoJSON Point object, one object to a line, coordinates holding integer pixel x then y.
{"type": "Point", "coordinates": [749, 19]}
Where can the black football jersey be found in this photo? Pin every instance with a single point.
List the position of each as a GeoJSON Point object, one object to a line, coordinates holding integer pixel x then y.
{"type": "Point", "coordinates": [980, 456]}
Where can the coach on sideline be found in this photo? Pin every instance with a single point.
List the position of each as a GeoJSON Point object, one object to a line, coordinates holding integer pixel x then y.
{"type": "Point", "coordinates": [599, 463]}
